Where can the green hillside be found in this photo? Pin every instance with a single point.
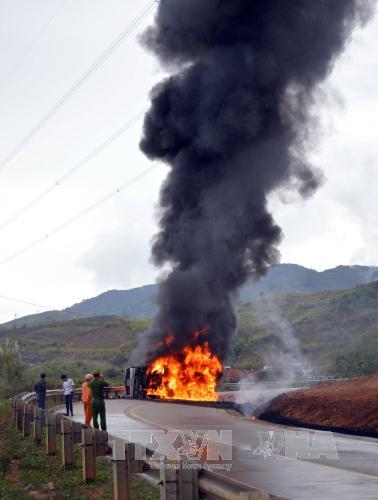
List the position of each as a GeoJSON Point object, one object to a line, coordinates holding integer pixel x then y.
{"type": "Point", "coordinates": [78, 346]}
{"type": "Point", "coordinates": [337, 331]}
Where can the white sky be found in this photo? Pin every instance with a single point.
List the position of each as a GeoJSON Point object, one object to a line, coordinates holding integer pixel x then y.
{"type": "Point", "coordinates": [109, 247]}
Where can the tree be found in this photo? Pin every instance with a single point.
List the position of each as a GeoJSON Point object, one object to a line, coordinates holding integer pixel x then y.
{"type": "Point", "coordinates": [12, 368]}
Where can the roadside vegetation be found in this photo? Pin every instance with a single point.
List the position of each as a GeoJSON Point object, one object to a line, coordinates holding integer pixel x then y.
{"type": "Point", "coordinates": [76, 347]}
{"type": "Point", "coordinates": [27, 472]}
{"type": "Point", "coordinates": [337, 331]}
{"type": "Point", "coordinates": [12, 369]}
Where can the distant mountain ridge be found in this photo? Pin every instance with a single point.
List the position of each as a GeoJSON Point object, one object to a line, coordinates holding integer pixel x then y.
{"type": "Point", "coordinates": [335, 331]}
{"type": "Point", "coordinates": [283, 278]}
{"type": "Point", "coordinates": [136, 303]}
{"type": "Point", "coordinates": [292, 278]}
{"type": "Point", "coordinates": [139, 302]}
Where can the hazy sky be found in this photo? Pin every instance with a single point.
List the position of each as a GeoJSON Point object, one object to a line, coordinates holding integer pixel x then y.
{"type": "Point", "coordinates": [45, 46]}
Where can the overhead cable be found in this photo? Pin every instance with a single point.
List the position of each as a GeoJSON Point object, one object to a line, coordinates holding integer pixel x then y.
{"type": "Point", "coordinates": [73, 170]}
{"type": "Point", "coordinates": [70, 221]}
{"type": "Point", "coordinates": [32, 44]}
{"type": "Point", "coordinates": [79, 83]}
{"type": "Point", "coordinates": [26, 302]}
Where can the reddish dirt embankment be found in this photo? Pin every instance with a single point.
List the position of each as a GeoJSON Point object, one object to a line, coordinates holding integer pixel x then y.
{"type": "Point", "coordinates": [347, 406]}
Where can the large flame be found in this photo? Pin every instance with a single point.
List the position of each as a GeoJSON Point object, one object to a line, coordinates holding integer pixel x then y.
{"type": "Point", "coordinates": [191, 374]}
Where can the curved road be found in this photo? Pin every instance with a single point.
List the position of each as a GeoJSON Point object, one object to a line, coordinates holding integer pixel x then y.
{"type": "Point", "coordinates": [351, 476]}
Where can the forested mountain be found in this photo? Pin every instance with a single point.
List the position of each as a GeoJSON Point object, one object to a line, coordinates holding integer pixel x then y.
{"type": "Point", "coordinates": [335, 331]}
{"type": "Point", "coordinates": [139, 302]}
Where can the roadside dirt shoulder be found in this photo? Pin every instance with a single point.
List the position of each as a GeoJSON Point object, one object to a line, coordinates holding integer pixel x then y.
{"type": "Point", "coordinates": [347, 406]}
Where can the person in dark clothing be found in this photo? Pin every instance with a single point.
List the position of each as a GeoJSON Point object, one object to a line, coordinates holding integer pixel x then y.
{"type": "Point", "coordinates": [40, 390]}
{"type": "Point", "coordinates": [97, 386]}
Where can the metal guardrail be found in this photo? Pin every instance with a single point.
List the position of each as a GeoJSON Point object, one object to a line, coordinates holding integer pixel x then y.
{"type": "Point", "coordinates": [176, 482]}
{"type": "Point", "coordinates": [279, 384]}
{"type": "Point", "coordinates": [110, 393]}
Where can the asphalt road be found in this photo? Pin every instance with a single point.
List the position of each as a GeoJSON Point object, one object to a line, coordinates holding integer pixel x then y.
{"type": "Point", "coordinates": [353, 475]}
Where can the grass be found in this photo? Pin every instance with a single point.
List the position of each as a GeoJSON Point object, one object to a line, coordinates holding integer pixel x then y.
{"type": "Point", "coordinates": [27, 472]}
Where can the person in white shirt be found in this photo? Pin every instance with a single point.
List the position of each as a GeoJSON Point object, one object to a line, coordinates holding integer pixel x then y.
{"type": "Point", "coordinates": [68, 390]}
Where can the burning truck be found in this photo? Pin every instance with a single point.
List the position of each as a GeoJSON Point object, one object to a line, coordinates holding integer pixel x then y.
{"type": "Point", "coordinates": [191, 374]}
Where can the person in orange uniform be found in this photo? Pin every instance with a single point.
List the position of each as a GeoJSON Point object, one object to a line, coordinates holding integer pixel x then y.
{"type": "Point", "coordinates": [86, 397]}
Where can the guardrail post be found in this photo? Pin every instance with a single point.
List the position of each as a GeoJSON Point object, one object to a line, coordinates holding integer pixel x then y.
{"type": "Point", "coordinates": [101, 442]}
{"type": "Point", "coordinates": [67, 443]}
{"type": "Point", "coordinates": [14, 410]}
{"type": "Point", "coordinates": [121, 470]}
{"type": "Point", "coordinates": [178, 481]}
{"type": "Point", "coordinates": [89, 455]}
{"type": "Point", "coordinates": [135, 466]}
{"type": "Point", "coordinates": [27, 418]}
{"type": "Point", "coordinates": [37, 425]}
{"type": "Point", "coordinates": [58, 422]}
{"type": "Point", "coordinates": [20, 415]}
{"type": "Point", "coordinates": [51, 433]}
{"type": "Point", "coordinates": [188, 481]}
{"type": "Point", "coordinates": [168, 482]}
{"type": "Point", "coordinates": [77, 428]}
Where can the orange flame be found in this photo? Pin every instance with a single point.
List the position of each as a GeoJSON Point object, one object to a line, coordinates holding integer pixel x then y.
{"type": "Point", "coordinates": [190, 375]}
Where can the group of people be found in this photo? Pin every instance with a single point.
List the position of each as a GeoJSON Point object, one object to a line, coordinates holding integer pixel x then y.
{"type": "Point", "coordinates": [92, 396]}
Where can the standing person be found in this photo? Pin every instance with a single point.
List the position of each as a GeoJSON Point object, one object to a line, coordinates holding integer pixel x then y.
{"type": "Point", "coordinates": [97, 386]}
{"type": "Point", "coordinates": [40, 390]}
{"type": "Point", "coordinates": [68, 390]}
{"type": "Point", "coordinates": [86, 397]}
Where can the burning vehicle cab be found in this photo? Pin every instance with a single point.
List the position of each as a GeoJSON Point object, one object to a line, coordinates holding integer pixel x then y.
{"type": "Point", "coordinates": [138, 381]}
{"type": "Point", "coordinates": [135, 382]}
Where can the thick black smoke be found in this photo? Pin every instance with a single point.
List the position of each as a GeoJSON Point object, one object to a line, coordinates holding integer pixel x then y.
{"type": "Point", "coordinates": [232, 122]}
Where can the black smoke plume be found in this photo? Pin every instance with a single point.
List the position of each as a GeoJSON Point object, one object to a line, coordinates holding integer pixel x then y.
{"type": "Point", "coordinates": [232, 122]}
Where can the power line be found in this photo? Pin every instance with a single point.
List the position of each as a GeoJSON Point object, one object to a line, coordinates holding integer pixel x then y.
{"type": "Point", "coordinates": [33, 43]}
{"type": "Point", "coordinates": [73, 170]}
{"type": "Point", "coordinates": [99, 202]}
{"type": "Point", "coordinates": [48, 308]}
{"type": "Point", "coordinates": [26, 302]}
{"type": "Point", "coordinates": [79, 83]}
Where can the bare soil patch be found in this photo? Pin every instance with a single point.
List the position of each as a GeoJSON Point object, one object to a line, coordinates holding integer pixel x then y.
{"type": "Point", "coordinates": [349, 406]}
